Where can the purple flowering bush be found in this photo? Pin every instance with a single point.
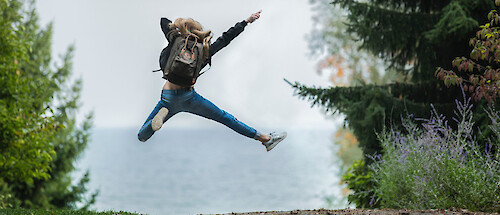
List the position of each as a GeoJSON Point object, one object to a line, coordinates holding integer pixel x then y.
{"type": "Point", "coordinates": [431, 165]}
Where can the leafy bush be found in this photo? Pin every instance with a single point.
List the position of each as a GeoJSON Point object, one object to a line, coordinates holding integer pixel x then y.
{"type": "Point", "coordinates": [6, 197]}
{"type": "Point", "coordinates": [432, 165]}
{"type": "Point", "coordinates": [479, 74]}
{"type": "Point", "coordinates": [359, 179]}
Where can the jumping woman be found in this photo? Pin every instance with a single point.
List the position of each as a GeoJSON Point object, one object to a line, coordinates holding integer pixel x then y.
{"type": "Point", "coordinates": [178, 94]}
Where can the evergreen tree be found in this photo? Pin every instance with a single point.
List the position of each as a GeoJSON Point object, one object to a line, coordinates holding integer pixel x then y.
{"type": "Point", "coordinates": [346, 64]}
{"type": "Point", "coordinates": [413, 37]}
{"type": "Point", "coordinates": [39, 137]}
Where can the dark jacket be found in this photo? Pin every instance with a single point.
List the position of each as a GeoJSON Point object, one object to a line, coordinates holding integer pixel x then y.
{"type": "Point", "coordinates": [216, 46]}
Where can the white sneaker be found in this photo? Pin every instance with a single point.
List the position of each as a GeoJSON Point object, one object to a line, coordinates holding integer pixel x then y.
{"type": "Point", "coordinates": [275, 139]}
{"type": "Point", "coordinates": [158, 119]}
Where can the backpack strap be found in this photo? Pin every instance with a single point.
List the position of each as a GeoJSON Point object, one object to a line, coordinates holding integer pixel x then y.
{"type": "Point", "coordinates": [209, 62]}
{"type": "Point", "coordinates": [201, 73]}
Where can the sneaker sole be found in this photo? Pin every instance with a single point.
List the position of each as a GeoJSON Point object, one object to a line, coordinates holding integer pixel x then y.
{"type": "Point", "coordinates": [158, 119]}
{"type": "Point", "coordinates": [276, 143]}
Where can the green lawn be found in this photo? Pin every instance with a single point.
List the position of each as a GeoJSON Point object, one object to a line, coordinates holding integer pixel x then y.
{"type": "Point", "coordinates": [58, 212]}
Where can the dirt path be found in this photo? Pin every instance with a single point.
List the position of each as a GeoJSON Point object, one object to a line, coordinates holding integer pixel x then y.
{"type": "Point", "coordinates": [366, 212]}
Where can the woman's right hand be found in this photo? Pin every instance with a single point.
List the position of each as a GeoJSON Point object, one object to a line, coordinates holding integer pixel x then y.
{"type": "Point", "coordinates": [253, 17]}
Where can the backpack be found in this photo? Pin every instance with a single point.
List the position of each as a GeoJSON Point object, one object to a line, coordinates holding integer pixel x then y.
{"type": "Point", "coordinates": [184, 62]}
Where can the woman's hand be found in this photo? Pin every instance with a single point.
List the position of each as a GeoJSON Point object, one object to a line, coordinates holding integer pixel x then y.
{"type": "Point", "coordinates": [253, 17]}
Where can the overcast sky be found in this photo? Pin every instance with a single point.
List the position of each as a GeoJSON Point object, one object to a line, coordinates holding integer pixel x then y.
{"type": "Point", "coordinates": [118, 44]}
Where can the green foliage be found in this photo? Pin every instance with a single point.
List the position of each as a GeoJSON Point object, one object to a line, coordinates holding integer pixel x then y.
{"type": "Point", "coordinates": [368, 109]}
{"type": "Point", "coordinates": [347, 65]}
{"type": "Point", "coordinates": [454, 22]}
{"type": "Point", "coordinates": [60, 212]}
{"type": "Point", "coordinates": [6, 197]}
{"type": "Point", "coordinates": [480, 74]}
{"type": "Point", "coordinates": [408, 35]}
{"type": "Point", "coordinates": [359, 178]}
{"type": "Point", "coordinates": [413, 37]}
{"type": "Point", "coordinates": [432, 165]}
{"type": "Point", "coordinates": [39, 138]}
{"type": "Point", "coordinates": [25, 129]}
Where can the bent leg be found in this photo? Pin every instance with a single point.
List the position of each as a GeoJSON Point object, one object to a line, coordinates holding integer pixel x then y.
{"type": "Point", "coordinates": [146, 130]}
{"type": "Point", "coordinates": [203, 107]}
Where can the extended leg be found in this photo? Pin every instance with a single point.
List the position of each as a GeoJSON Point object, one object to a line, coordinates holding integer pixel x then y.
{"type": "Point", "coordinates": [203, 107]}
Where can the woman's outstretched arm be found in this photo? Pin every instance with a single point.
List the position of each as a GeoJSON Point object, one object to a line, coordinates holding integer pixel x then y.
{"type": "Point", "coordinates": [230, 34]}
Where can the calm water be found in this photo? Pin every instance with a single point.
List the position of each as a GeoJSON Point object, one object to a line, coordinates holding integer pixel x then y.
{"type": "Point", "coordinates": [209, 171]}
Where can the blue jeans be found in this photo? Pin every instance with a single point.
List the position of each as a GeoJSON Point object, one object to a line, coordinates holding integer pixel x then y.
{"type": "Point", "coordinates": [187, 100]}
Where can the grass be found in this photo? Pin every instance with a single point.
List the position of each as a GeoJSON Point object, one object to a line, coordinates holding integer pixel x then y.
{"type": "Point", "coordinates": [58, 212]}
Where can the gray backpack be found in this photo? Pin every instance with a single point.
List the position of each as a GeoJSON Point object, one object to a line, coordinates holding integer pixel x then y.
{"type": "Point", "coordinates": [185, 61]}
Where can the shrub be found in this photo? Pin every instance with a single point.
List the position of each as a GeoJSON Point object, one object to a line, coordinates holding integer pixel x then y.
{"type": "Point", "coordinates": [432, 165]}
{"type": "Point", "coordinates": [359, 179]}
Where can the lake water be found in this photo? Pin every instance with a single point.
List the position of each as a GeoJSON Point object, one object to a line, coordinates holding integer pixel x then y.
{"type": "Point", "coordinates": [193, 171]}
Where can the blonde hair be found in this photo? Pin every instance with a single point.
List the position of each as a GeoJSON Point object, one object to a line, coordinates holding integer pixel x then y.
{"type": "Point", "coordinates": [189, 26]}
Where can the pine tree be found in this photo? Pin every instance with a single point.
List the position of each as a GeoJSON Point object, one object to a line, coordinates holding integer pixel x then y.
{"type": "Point", "coordinates": [40, 139]}
{"type": "Point", "coordinates": [413, 37]}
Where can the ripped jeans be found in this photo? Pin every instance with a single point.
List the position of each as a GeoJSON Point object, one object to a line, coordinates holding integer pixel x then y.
{"type": "Point", "coordinates": [187, 100]}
